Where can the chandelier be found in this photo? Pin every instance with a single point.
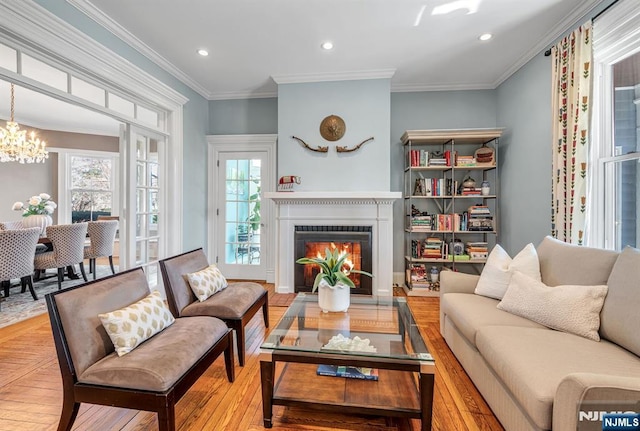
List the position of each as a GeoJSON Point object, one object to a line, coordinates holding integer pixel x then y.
{"type": "Point", "coordinates": [14, 145]}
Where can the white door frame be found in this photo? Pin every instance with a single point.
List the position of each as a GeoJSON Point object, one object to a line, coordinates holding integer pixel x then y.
{"type": "Point", "coordinates": [234, 143]}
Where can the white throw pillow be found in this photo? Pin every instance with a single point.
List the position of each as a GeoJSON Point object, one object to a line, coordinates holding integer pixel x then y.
{"type": "Point", "coordinates": [568, 308]}
{"type": "Point", "coordinates": [206, 282]}
{"type": "Point", "coordinates": [128, 327]}
{"type": "Point", "coordinates": [496, 274]}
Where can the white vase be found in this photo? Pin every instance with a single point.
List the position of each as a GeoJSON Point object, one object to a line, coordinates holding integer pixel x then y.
{"type": "Point", "coordinates": [38, 220]}
{"type": "Point", "coordinates": [333, 298]}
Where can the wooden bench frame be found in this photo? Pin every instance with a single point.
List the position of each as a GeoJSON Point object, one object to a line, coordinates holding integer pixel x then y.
{"type": "Point", "coordinates": [162, 403]}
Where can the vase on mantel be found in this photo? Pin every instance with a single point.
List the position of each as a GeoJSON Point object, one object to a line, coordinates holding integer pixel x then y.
{"type": "Point", "coordinates": [333, 298]}
{"type": "Point", "coordinates": [38, 220]}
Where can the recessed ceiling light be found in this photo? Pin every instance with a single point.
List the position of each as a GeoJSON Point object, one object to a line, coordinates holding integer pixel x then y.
{"type": "Point", "coordinates": [485, 36]}
{"type": "Point", "coordinates": [327, 45]}
{"type": "Point", "coordinates": [203, 52]}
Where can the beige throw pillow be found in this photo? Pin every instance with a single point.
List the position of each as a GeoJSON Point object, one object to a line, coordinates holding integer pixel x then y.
{"type": "Point", "coordinates": [130, 326]}
{"type": "Point", "coordinates": [206, 282]}
{"type": "Point", "coordinates": [496, 274]}
{"type": "Point", "coordinates": [568, 308]}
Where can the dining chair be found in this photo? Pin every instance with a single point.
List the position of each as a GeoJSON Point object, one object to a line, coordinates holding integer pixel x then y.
{"type": "Point", "coordinates": [11, 225]}
{"type": "Point", "coordinates": [102, 234]}
{"type": "Point", "coordinates": [17, 251]}
{"type": "Point", "coordinates": [67, 241]}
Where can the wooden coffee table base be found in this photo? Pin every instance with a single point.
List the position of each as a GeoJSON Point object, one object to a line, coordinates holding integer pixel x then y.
{"type": "Point", "coordinates": [402, 390]}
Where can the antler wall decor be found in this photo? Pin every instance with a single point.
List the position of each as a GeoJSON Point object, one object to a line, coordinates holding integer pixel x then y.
{"type": "Point", "coordinates": [320, 149]}
{"type": "Point", "coordinates": [357, 147]}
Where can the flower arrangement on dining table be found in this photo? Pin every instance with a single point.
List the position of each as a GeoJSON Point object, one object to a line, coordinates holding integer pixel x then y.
{"type": "Point", "coordinates": [38, 204]}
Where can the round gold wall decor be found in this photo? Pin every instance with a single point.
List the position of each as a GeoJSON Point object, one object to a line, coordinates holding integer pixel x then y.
{"type": "Point", "coordinates": [332, 128]}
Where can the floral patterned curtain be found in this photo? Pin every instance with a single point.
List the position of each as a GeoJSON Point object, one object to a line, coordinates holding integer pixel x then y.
{"type": "Point", "coordinates": [571, 103]}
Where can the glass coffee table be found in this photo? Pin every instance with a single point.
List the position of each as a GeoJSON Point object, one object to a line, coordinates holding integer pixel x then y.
{"type": "Point", "coordinates": [376, 340]}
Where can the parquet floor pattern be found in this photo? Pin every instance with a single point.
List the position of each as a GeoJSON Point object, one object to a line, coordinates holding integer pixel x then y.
{"type": "Point", "coordinates": [31, 388]}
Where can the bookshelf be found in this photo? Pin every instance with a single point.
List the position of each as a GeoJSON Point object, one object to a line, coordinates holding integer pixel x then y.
{"type": "Point", "coordinates": [450, 203]}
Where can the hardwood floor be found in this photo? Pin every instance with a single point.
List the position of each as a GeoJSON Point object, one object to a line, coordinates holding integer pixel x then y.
{"type": "Point", "coordinates": [31, 388]}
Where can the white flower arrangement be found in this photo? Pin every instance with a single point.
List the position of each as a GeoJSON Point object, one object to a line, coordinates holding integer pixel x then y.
{"type": "Point", "coordinates": [39, 204]}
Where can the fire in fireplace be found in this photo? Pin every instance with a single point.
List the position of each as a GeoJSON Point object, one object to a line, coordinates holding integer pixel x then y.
{"type": "Point", "coordinates": [355, 241]}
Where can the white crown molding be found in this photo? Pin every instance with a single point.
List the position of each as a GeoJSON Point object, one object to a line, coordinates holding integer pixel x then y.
{"type": "Point", "coordinates": [242, 95]}
{"type": "Point", "coordinates": [408, 88]}
{"type": "Point", "coordinates": [333, 76]}
{"type": "Point", "coordinates": [89, 9]}
{"type": "Point", "coordinates": [554, 34]}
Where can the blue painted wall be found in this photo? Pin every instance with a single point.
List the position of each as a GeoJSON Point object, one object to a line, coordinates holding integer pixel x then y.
{"type": "Point", "coordinates": [431, 110]}
{"type": "Point", "coordinates": [243, 116]}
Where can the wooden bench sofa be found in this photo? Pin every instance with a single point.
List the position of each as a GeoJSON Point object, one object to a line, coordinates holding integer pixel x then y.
{"type": "Point", "coordinates": [151, 377]}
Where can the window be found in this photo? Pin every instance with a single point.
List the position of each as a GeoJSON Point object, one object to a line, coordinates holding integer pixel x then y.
{"type": "Point", "coordinates": [92, 187]}
{"type": "Point", "coordinates": [614, 194]}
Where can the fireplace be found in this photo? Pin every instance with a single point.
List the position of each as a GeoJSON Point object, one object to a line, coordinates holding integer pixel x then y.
{"type": "Point", "coordinates": [335, 208]}
{"type": "Point", "coordinates": [355, 241]}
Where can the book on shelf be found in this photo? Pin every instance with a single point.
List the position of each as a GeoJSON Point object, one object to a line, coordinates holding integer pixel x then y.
{"type": "Point", "coordinates": [362, 373]}
{"type": "Point", "coordinates": [418, 158]}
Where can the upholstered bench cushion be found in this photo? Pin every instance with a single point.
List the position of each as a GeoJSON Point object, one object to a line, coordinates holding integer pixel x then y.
{"type": "Point", "coordinates": [471, 312]}
{"type": "Point", "coordinates": [531, 362]}
{"type": "Point", "coordinates": [159, 362]}
{"type": "Point", "coordinates": [230, 303]}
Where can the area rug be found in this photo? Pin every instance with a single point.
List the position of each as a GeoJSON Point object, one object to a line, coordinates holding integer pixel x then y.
{"type": "Point", "coordinates": [20, 306]}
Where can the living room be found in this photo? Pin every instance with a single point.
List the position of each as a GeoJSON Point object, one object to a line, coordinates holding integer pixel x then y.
{"type": "Point", "coordinates": [520, 103]}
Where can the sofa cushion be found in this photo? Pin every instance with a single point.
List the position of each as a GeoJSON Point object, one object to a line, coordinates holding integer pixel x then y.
{"type": "Point", "coordinates": [562, 263]}
{"type": "Point", "coordinates": [230, 303]}
{"type": "Point", "coordinates": [130, 326]}
{"type": "Point", "coordinates": [531, 363]}
{"type": "Point", "coordinates": [620, 317]}
{"type": "Point", "coordinates": [471, 312]}
{"type": "Point", "coordinates": [497, 272]}
{"type": "Point", "coordinates": [573, 309]}
{"type": "Point", "coordinates": [206, 282]}
{"type": "Point", "coordinates": [159, 362]}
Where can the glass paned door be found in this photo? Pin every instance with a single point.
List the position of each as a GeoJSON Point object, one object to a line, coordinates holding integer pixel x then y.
{"type": "Point", "coordinates": [144, 212]}
{"type": "Point", "coordinates": [240, 224]}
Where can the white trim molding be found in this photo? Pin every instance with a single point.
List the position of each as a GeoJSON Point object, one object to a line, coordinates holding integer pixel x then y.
{"type": "Point", "coordinates": [235, 143]}
{"type": "Point", "coordinates": [334, 76]}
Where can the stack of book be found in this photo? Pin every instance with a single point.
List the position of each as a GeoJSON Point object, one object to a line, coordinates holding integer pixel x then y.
{"type": "Point", "coordinates": [432, 248]}
{"type": "Point", "coordinates": [437, 161]}
{"type": "Point", "coordinates": [477, 250]}
{"type": "Point", "coordinates": [417, 276]}
{"type": "Point", "coordinates": [479, 219]}
{"type": "Point", "coordinates": [362, 373]}
{"type": "Point", "coordinates": [465, 161]}
{"type": "Point", "coordinates": [470, 191]}
{"type": "Point", "coordinates": [421, 223]}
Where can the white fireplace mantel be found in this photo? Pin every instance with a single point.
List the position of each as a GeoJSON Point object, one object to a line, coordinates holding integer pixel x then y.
{"type": "Point", "coordinates": [369, 208]}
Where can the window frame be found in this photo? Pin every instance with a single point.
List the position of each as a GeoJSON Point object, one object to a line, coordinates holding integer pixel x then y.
{"type": "Point", "coordinates": [64, 180]}
{"type": "Point", "coordinates": [615, 37]}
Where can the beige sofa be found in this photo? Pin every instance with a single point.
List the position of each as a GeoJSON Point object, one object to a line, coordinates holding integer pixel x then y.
{"type": "Point", "coordinates": [536, 378]}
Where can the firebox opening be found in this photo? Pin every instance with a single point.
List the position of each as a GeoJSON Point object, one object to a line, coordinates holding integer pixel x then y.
{"type": "Point", "coordinates": [353, 240]}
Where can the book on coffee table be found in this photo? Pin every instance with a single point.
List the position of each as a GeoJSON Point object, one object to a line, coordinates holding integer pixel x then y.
{"type": "Point", "coordinates": [348, 372]}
